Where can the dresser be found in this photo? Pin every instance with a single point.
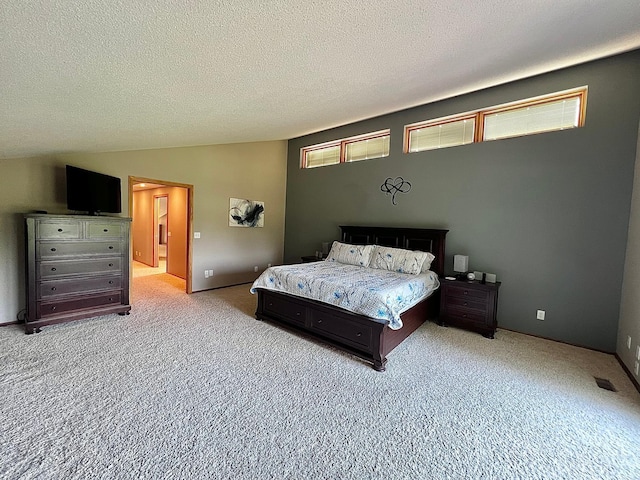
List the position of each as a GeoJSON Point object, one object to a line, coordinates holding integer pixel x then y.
{"type": "Point", "coordinates": [77, 267]}
{"type": "Point", "coordinates": [469, 304]}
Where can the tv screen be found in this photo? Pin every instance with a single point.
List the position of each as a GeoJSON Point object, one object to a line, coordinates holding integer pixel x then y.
{"type": "Point", "coordinates": [92, 192]}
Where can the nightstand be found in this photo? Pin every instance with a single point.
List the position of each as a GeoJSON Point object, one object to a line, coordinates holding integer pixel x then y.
{"type": "Point", "coordinates": [469, 304]}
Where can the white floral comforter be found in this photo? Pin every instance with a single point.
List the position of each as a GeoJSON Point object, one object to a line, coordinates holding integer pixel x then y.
{"type": "Point", "coordinates": [376, 293]}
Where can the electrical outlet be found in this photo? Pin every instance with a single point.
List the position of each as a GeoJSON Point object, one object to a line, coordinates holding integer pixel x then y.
{"type": "Point", "coordinates": [540, 315]}
{"type": "Point", "coordinates": [629, 342]}
{"type": "Point", "coordinates": [638, 352]}
{"type": "Point", "coordinates": [196, 234]}
{"type": "Point", "coordinates": [211, 273]}
{"type": "Point", "coordinates": [637, 366]}
{"type": "Point", "coordinates": [255, 269]}
{"type": "Point", "coordinates": [206, 274]}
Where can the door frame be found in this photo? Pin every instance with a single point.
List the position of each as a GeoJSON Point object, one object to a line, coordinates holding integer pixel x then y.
{"type": "Point", "coordinates": [133, 180]}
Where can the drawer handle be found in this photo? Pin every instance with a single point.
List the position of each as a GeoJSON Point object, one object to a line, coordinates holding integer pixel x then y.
{"type": "Point", "coordinates": [298, 314]}
{"type": "Point", "coordinates": [319, 320]}
{"type": "Point", "coordinates": [106, 229]}
{"type": "Point", "coordinates": [359, 334]}
{"type": "Point", "coordinates": [466, 292]}
{"type": "Point", "coordinates": [53, 289]}
{"type": "Point", "coordinates": [53, 249]}
{"type": "Point", "coordinates": [110, 299]}
{"type": "Point", "coordinates": [111, 264]}
{"type": "Point", "coordinates": [110, 282]}
{"type": "Point", "coordinates": [110, 247]}
{"type": "Point", "coordinates": [53, 269]}
{"type": "Point", "coordinates": [53, 308]}
{"type": "Point", "coordinates": [465, 304]}
{"type": "Point", "coordinates": [59, 229]}
{"type": "Point", "coordinates": [464, 315]}
{"type": "Point", "coordinates": [271, 304]}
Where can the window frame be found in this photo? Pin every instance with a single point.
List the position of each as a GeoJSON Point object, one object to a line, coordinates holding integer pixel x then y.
{"type": "Point", "coordinates": [479, 116]}
{"type": "Point", "coordinates": [342, 143]}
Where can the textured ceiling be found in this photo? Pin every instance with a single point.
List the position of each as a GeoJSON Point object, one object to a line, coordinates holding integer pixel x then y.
{"type": "Point", "coordinates": [102, 75]}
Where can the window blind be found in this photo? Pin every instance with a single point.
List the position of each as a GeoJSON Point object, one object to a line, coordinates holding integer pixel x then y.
{"type": "Point", "coordinates": [527, 120]}
{"type": "Point", "coordinates": [448, 134]}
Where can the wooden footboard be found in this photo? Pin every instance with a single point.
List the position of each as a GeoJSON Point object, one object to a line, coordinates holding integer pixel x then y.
{"type": "Point", "coordinates": [365, 337]}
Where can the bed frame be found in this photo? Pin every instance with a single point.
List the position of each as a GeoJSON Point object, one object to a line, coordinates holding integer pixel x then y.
{"type": "Point", "coordinates": [365, 337]}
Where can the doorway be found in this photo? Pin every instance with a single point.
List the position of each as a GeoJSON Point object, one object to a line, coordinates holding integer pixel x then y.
{"type": "Point", "coordinates": [160, 230]}
{"type": "Point", "coordinates": [162, 214]}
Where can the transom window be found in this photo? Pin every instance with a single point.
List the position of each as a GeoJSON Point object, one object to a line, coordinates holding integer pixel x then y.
{"type": "Point", "coordinates": [351, 149]}
{"type": "Point", "coordinates": [556, 111]}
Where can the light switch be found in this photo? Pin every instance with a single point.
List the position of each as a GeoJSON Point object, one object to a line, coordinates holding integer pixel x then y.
{"type": "Point", "coordinates": [196, 234]}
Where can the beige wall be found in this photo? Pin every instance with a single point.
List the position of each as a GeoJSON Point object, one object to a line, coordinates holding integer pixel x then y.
{"type": "Point", "coordinates": [177, 235]}
{"type": "Point", "coordinates": [142, 227]}
{"type": "Point", "coordinates": [629, 324]}
{"type": "Point", "coordinates": [256, 171]}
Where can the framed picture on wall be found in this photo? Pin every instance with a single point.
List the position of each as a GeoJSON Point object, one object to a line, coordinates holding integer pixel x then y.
{"type": "Point", "coordinates": [246, 213]}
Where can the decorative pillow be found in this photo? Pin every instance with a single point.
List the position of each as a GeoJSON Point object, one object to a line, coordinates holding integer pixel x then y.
{"type": "Point", "coordinates": [350, 254]}
{"type": "Point", "coordinates": [399, 260]}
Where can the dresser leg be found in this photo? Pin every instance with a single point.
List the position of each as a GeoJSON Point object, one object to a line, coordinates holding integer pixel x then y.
{"type": "Point", "coordinates": [380, 365]}
{"type": "Point", "coordinates": [489, 335]}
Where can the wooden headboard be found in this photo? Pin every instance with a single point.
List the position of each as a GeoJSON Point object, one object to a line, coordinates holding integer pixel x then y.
{"type": "Point", "coordinates": [423, 239]}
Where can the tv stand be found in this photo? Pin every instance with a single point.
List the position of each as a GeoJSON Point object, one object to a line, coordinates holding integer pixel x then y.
{"type": "Point", "coordinates": [77, 267]}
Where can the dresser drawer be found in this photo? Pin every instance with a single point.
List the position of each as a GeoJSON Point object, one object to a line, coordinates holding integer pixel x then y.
{"type": "Point", "coordinates": [54, 288]}
{"type": "Point", "coordinates": [342, 328]}
{"type": "Point", "coordinates": [48, 309]}
{"type": "Point", "coordinates": [285, 307]}
{"type": "Point", "coordinates": [59, 229]}
{"type": "Point", "coordinates": [105, 230]}
{"type": "Point", "coordinates": [51, 269]}
{"type": "Point", "coordinates": [67, 249]}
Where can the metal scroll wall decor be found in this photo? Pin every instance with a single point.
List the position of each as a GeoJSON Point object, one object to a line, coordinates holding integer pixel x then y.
{"type": "Point", "coordinates": [393, 186]}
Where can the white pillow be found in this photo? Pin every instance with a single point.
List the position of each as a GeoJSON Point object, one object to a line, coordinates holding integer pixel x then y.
{"type": "Point", "coordinates": [350, 254]}
{"type": "Point", "coordinates": [426, 266]}
{"type": "Point", "coordinates": [399, 260]}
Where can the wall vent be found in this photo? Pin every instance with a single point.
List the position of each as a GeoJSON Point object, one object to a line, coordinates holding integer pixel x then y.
{"type": "Point", "coordinates": [606, 384]}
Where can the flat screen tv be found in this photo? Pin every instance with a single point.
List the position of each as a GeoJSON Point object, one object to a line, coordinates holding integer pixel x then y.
{"type": "Point", "coordinates": [92, 192]}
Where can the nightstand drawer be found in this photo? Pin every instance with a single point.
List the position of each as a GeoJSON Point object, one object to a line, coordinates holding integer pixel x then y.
{"type": "Point", "coordinates": [469, 303]}
{"type": "Point", "coordinates": [466, 314]}
{"type": "Point", "coordinates": [465, 291]}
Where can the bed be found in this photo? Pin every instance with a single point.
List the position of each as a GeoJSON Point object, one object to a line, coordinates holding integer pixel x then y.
{"type": "Point", "coordinates": [362, 335]}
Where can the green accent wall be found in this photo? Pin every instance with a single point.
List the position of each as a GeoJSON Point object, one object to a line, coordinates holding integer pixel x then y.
{"type": "Point", "coordinates": [547, 213]}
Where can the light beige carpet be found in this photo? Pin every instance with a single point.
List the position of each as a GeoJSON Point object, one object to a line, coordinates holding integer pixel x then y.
{"type": "Point", "coordinates": [194, 387]}
{"type": "Point", "coordinates": [142, 269]}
